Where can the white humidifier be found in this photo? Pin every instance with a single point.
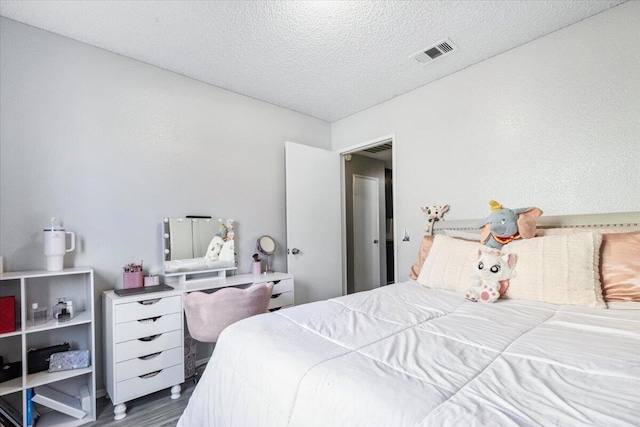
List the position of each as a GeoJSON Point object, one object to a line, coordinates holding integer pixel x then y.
{"type": "Point", "coordinates": [55, 246]}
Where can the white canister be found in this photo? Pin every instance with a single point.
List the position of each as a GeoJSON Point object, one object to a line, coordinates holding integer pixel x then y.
{"type": "Point", "coordinates": [55, 246]}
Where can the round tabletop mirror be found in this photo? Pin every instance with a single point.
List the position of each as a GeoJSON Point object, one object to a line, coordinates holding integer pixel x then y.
{"type": "Point", "coordinates": [267, 246]}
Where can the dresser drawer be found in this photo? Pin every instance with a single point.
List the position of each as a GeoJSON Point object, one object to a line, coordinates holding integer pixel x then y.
{"type": "Point", "coordinates": [140, 386]}
{"type": "Point", "coordinates": [280, 286]}
{"type": "Point", "coordinates": [279, 300]}
{"type": "Point", "coordinates": [146, 327]}
{"type": "Point", "coordinates": [137, 348]}
{"type": "Point", "coordinates": [271, 310]}
{"type": "Point", "coordinates": [146, 364]}
{"type": "Point", "coordinates": [148, 308]}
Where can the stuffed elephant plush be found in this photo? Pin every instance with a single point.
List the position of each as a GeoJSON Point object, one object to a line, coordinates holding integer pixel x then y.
{"type": "Point", "coordinates": [505, 225]}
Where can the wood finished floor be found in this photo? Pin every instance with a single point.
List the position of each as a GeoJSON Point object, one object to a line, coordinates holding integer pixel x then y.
{"type": "Point", "coordinates": [154, 410]}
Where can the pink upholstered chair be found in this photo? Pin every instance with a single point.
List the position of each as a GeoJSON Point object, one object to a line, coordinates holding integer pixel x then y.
{"type": "Point", "coordinates": [209, 314]}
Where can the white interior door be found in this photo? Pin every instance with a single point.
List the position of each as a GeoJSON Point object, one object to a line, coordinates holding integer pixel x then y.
{"type": "Point", "coordinates": [366, 233]}
{"type": "Point", "coordinates": [314, 222]}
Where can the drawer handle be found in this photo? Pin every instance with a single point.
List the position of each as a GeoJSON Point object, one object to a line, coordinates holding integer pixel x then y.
{"type": "Point", "coordinates": [275, 295]}
{"type": "Point", "coordinates": [150, 374]}
{"type": "Point", "coordinates": [149, 338]}
{"type": "Point", "coordinates": [149, 320]}
{"type": "Point", "coordinates": [274, 309]}
{"type": "Point", "coordinates": [150, 356]}
{"type": "Point", "coordinates": [274, 282]}
{"type": "Point", "coordinates": [149, 301]}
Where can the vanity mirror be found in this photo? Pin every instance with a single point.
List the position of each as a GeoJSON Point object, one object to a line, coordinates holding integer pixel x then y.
{"type": "Point", "coordinates": [267, 246]}
{"type": "Point", "coordinates": [197, 245]}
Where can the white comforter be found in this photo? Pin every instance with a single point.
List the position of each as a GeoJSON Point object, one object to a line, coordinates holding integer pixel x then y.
{"type": "Point", "coordinates": [404, 355]}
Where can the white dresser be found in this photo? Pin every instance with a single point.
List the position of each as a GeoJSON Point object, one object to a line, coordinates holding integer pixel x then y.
{"type": "Point", "coordinates": [282, 295]}
{"type": "Point", "coordinates": [144, 335]}
{"type": "Point", "coordinates": [143, 345]}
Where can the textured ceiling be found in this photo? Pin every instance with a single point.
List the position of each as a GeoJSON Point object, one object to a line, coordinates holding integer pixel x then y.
{"type": "Point", "coordinates": [327, 59]}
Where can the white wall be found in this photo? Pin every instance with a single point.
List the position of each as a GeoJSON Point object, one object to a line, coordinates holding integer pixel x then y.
{"type": "Point", "coordinates": [111, 145]}
{"type": "Point", "coordinates": [554, 123]}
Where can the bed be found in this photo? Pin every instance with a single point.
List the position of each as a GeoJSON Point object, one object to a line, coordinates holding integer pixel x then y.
{"type": "Point", "coordinates": [410, 354]}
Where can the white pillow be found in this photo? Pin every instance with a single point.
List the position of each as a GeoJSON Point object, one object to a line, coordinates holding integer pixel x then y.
{"type": "Point", "coordinates": [215, 246]}
{"type": "Point", "coordinates": [450, 264]}
{"type": "Point", "coordinates": [558, 269]}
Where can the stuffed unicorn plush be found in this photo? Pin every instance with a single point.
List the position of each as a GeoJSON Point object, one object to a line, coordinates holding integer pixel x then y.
{"type": "Point", "coordinates": [493, 272]}
{"type": "Point", "coordinates": [434, 213]}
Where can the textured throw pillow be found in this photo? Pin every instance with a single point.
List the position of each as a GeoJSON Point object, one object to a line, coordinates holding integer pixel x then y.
{"type": "Point", "coordinates": [558, 269]}
{"type": "Point", "coordinates": [449, 264]}
{"type": "Point", "coordinates": [619, 261]}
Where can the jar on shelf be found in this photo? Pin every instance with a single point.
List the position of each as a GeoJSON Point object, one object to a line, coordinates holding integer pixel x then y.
{"type": "Point", "coordinates": [57, 309]}
{"type": "Point", "coordinates": [37, 314]}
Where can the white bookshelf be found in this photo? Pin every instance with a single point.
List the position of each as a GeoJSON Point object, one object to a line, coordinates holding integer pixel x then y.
{"type": "Point", "coordinates": [45, 287]}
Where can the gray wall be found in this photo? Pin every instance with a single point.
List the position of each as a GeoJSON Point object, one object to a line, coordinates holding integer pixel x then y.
{"type": "Point", "coordinates": [554, 123]}
{"type": "Point", "coordinates": [365, 166]}
{"type": "Point", "coordinates": [110, 146]}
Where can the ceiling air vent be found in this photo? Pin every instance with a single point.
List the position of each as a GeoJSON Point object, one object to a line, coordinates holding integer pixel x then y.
{"type": "Point", "coordinates": [378, 148]}
{"type": "Point", "coordinates": [437, 51]}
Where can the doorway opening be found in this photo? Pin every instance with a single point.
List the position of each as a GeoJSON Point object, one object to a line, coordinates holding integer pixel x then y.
{"type": "Point", "coordinates": [369, 231]}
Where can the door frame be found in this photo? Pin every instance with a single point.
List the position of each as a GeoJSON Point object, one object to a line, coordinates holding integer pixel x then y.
{"type": "Point", "coordinates": [353, 149]}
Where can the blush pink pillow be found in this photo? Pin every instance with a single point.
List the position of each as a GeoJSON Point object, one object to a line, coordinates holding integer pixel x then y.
{"type": "Point", "coordinates": [620, 266]}
{"type": "Point", "coordinates": [425, 247]}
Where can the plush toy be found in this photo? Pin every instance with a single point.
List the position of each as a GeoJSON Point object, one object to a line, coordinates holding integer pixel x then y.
{"type": "Point", "coordinates": [506, 225]}
{"type": "Point", "coordinates": [493, 272]}
{"type": "Point", "coordinates": [231, 234]}
{"type": "Point", "coordinates": [222, 233]}
{"type": "Point", "coordinates": [434, 213]}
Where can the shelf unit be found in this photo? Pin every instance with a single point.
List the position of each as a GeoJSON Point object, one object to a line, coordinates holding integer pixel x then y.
{"type": "Point", "coordinates": [45, 287]}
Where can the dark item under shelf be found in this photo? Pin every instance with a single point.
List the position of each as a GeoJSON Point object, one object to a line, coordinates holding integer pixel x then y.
{"type": "Point", "coordinates": [10, 371]}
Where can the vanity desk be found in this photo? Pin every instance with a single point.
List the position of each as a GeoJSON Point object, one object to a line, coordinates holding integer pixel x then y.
{"type": "Point", "coordinates": [144, 335]}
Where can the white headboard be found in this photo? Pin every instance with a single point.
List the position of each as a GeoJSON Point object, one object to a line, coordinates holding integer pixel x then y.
{"type": "Point", "coordinates": [628, 220]}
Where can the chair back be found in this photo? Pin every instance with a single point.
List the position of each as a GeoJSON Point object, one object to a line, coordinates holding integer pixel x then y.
{"type": "Point", "coordinates": [209, 314]}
